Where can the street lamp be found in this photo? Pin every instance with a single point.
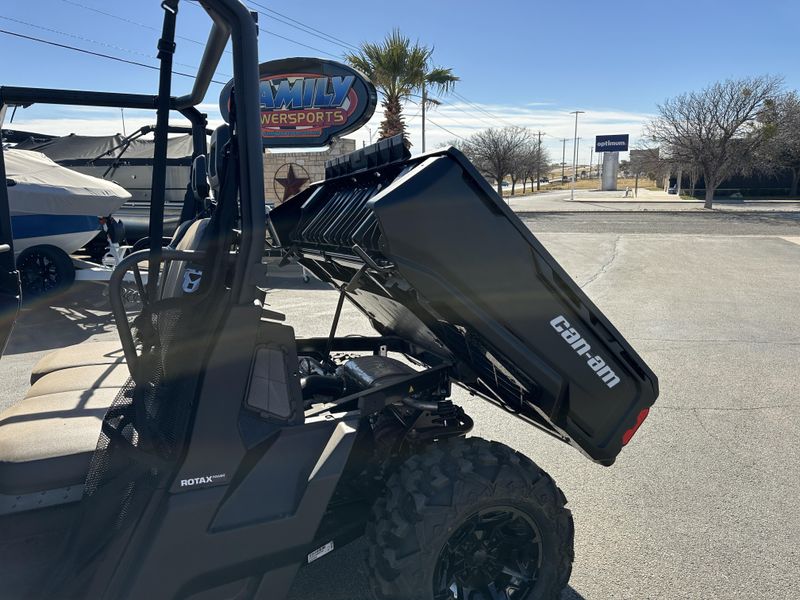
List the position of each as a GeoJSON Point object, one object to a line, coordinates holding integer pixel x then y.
{"type": "Point", "coordinates": [575, 154]}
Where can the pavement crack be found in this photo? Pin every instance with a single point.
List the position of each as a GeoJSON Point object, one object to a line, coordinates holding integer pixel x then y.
{"type": "Point", "coordinates": [726, 408]}
{"type": "Point", "coordinates": [717, 341]}
{"type": "Point", "coordinates": [708, 433]}
{"type": "Point", "coordinates": [605, 266]}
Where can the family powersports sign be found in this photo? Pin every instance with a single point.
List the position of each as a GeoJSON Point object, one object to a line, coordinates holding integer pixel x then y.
{"type": "Point", "coordinates": [307, 101]}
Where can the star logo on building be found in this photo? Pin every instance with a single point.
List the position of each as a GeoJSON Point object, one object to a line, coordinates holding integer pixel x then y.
{"type": "Point", "coordinates": [292, 178]}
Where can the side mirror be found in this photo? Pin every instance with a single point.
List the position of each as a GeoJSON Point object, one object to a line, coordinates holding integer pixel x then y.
{"type": "Point", "coordinates": [200, 185]}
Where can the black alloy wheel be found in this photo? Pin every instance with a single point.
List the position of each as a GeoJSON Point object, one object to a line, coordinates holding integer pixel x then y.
{"type": "Point", "coordinates": [495, 555]}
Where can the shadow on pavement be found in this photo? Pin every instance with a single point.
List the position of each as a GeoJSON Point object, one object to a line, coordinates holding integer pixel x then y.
{"type": "Point", "coordinates": [295, 282]}
{"type": "Point", "coordinates": [69, 318]}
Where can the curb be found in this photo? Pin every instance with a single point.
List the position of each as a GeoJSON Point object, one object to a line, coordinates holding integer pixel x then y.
{"type": "Point", "coordinates": [709, 212]}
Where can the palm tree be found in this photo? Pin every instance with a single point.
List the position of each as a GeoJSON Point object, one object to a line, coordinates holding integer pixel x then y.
{"type": "Point", "coordinates": [399, 68]}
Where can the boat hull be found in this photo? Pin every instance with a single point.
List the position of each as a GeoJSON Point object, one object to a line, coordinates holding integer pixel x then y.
{"type": "Point", "coordinates": [67, 232]}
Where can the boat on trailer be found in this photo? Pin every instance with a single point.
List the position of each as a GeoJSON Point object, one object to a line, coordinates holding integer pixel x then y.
{"type": "Point", "coordinates": [54, 212]}
{"type": "Point", "coordinates": [128, 162]}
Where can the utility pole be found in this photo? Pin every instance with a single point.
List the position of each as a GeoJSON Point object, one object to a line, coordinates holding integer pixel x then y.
{"type": "Point", "coordinates": [575, 154]}
{"type": "Point", "coordinates": [539, 162]}
{"type": "Point", "coordinates": [591, 159]}
{"type": "Point", "coordinates": [563, 157]}
{"type": "Point", "coordinates": [423, 115]}
{"type": "Point", "coordinates": [121, 112]}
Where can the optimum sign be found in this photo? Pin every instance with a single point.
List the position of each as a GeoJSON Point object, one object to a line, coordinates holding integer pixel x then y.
{"type": "Point", "coordinates": [611, 143]}
{"type": "Point", "coordinates": [307, 101]}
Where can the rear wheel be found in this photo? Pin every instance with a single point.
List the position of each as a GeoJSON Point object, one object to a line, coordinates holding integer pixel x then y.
{"type": "Point", "coordinates": [44, 270]}
{"type": "Point", "coordinates": [470, 520]}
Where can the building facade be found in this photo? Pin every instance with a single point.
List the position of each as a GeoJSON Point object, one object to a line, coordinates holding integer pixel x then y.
{"type": "Point", "coordinates": [287, 173]}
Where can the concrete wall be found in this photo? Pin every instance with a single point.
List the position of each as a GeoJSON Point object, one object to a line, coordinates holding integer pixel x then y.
{"type": "Point", "coordinates": [291, 172]}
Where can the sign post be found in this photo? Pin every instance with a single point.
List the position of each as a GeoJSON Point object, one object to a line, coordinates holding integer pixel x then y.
{"type": "Point", "coordinates": [610, 146]}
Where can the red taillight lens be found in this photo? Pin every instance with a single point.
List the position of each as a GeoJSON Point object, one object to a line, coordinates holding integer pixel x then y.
{"type": "Point", "coordinates": [626, 437]}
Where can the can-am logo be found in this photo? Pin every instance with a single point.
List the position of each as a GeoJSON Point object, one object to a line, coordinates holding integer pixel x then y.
{"type": "Point", "coordinates": [583, 349]}
{"type": "Point", "coordinates": [204, 480]}
{"type": "Point", "coordinates": [307, 101]}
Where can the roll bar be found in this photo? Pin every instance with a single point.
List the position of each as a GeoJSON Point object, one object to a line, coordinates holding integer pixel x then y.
{"type": "Point", "coordinates": [215, 46]}
{"type": "Point", "coordinates": [230, 20]}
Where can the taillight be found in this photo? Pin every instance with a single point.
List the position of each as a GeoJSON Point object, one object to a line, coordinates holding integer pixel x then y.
{"type": "Point", "coordinates": [626, 437]}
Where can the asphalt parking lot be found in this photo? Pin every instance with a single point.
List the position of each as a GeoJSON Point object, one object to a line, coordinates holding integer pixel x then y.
{"type": "Point", "coordinates": [703, 501]}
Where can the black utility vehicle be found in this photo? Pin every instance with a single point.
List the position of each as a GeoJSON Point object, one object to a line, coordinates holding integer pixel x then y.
{"type": "Point", "coordinates": [210, 453]}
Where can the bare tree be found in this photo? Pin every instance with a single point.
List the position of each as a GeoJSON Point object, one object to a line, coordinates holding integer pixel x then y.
{"type": "Point", "coordinates": [529, 164]}
{"type": "Point", "coordinates": [715, 127]}
{"type": "Point", "coordinates": [494, 151]}
{"type": "Point", "coordinates": [781, 152]}
{"type": "Point", "coordinates": [522, 159]}
{"type": "Point", "coordinates": [538, 163]}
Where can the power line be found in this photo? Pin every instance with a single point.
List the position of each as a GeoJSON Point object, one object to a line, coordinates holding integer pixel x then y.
{"type": "Point", "coordinates": [277, 35]}
{"type": "Point", "coordinates": [91, 41]}
{"type": "Point", "coordinates": [288, 39]}
{"type": "Point", "coordinates": [442, 102]}
{"type": "Point", "coordinates": [432, 122]}
{"type": "Point", "coordinates": [98, 54]}
{"type": "Point", "coordinates": [449, 118]}
{"type": "Point", "coordinates": [130, 21]}
{"type": "Point", "coordinates": [300, 26]}
{"type": "Point", "coordinates": [480, 108]}
{"type": "Point", "coordinates": [473, 113]}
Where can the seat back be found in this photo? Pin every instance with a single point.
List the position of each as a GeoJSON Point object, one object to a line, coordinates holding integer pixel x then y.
{"type": "Point", "coordinates": [216, 157]}
{"type": "Point", "coordinates": [181, 277]}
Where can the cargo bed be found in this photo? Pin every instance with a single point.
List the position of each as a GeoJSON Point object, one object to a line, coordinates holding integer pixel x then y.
{"type": "Point", "coordinates": [449, 267]}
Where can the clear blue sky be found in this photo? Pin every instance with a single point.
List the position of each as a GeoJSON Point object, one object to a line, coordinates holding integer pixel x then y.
{"type": "Point", "coordinates": [526, 61]}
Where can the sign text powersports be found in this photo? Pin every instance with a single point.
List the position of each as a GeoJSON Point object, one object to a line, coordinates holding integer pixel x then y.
{"type": "Point", "coordinates": [307, 101]}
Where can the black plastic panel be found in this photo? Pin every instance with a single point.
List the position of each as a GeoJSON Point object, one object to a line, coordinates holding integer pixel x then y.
{"type": "Point", "coordinates": [461, 276]}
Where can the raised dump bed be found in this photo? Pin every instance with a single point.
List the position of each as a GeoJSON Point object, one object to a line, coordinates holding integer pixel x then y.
{"type": "Point", "coordinates": [446, 264]}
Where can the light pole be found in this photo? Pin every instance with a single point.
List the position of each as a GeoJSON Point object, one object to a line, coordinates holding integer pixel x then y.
{"type": "Point", "coordinates": [538, 162]}
{"type": "Point", "coordinates": [575, 154]}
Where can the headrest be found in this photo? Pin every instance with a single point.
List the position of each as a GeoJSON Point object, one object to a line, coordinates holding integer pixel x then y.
{"type": "Point", "coordinates": [200, 186]}
{"type": "Point", "coordinates": [216, 156]}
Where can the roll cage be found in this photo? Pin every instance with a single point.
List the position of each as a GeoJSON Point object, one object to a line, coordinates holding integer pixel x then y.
{"type": "Point", "coordinates": [230, 21]}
